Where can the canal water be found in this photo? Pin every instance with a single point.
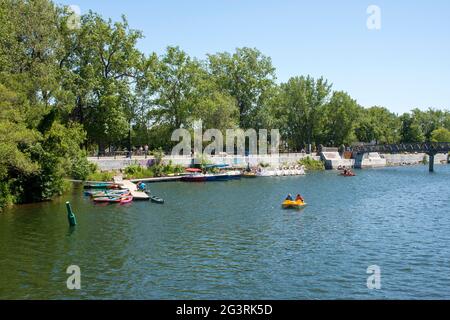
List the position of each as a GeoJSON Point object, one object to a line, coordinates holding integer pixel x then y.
{"type": "Point", "coordinates": [232, 240]}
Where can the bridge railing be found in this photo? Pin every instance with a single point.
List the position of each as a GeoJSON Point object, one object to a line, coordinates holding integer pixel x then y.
{"type": "Point", "coordinates": [427, 147]}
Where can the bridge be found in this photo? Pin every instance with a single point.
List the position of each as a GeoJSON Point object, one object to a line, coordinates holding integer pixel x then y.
{"type": "Point", "coordinates": [430, 148]}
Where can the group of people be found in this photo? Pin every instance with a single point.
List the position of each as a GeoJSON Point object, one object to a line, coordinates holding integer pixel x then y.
{"type": "Point", "coordinates": [298, 198]}
{"type": "Point", "coordinates": [345, 171]}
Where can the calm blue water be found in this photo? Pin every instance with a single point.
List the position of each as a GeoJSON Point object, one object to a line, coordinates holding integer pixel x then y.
{"type": "Point", "coordinates": [232, 240]}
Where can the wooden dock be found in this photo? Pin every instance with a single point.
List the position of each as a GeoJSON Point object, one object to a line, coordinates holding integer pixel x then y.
{"type": "Point", "coordinates": [137, 195]}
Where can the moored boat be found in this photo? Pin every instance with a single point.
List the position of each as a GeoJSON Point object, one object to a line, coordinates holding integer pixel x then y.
{"type": "Point", "coordinates": [210, 177]}
{"type": "Point", "coordinates": [194, 178]}
{"type": "Point", "coordinates": [234, 175]}
{"type": "Point", "coordinates": [115, 193]}
{"type": "Point", "coordinates": [108, 199]}
{"type": "Point", "coordinates": [126, 199]}
{"type": "Point", "coordinates": [222, 177]}
{"type": "Point", "coordinates": [249, 175]}
{"type": "Point", "coordinates": [265, 173]}
{"type": "Point", "coordinates": [157, 200]}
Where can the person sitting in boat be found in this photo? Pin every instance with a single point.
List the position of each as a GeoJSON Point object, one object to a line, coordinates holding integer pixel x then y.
{"type": "Point", "coordinates": [299, 198]}
{"type": "Point", "coordinates": [289, 198]}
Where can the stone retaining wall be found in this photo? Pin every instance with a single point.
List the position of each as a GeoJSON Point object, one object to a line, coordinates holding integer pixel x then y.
{"type": "Point", "coordinates": [109, 164]}
{"type": "Point", "coordinates": [412, 159]}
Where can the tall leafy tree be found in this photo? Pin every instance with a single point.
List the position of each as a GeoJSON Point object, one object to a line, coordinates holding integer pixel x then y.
{"type": "Point", "coordinates": [339, 119]}
{"type": "Point", "coordinates": [107, 68]}
{"type": "Point", "coordinates": [379, 125]}
{"type": "Point", "coordinates": [429, 120]}
{"type": "Point", "coordinates": [301, 102]}
{"type": "Point", "coordinates": [440, 135]}
{"type": "Point", "coordinates": [34, 102]}
{"type": "Point", "coordinates": [246, 75]}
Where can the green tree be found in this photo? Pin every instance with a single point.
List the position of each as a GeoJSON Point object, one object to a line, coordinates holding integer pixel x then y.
{"type": "Point", "coordinates": [301, 102]}
{"type": "Point", "coordinates": [339, 119]}
{"type": "Point", "coordinates": [379, 125]}
{"type": "Point", "coordinates": [107, 68]}
{"type": "Point", "coordinates": [246, 75]}
{"type": "Point", "coordinates": [410, 129]}
{"type": "Point", "coordinates": [177, 78]}
{"type": "Point", "coordinates": [429, 120]}
{"type": "Point", "coordinates": [38, 145]}
{"type": "Point", "coordinates": [440, 135]}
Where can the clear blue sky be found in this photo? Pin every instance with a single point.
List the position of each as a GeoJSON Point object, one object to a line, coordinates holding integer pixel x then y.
{"type": "Point", "coordinates": [404, 65]}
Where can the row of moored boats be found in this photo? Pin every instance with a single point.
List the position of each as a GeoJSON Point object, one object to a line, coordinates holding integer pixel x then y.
{"type": "Point", "coordinates": [197, 175]}
{"type": "Point", "coordinates": [115, 193]}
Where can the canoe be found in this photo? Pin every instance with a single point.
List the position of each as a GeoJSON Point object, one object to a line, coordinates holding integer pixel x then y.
{"type": "Point", "coordinates": [108, 199]}
{"type": "Point", "coordinates": [293, 204]}
{"type": "Point", "coordinates": [101, 186]}
{"type": "Point", "coordinates": [157, 200]}
{"type": "Point", "coordinates": [126, 200]}
{"type": "Point", "coordinates": [115, 193]}
{"type": "Point", "coordinates": [96, 186]}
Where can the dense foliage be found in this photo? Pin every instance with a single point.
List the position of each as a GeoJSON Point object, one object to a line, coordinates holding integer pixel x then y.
{"type": "Point", "coordinates": [69, 88]}
{"type": "Point", "coordinates": [311, 164]}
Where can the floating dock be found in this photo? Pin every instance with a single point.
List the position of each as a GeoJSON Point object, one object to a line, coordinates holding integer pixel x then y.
{"type": "Point", "coordinates": [137, 195]}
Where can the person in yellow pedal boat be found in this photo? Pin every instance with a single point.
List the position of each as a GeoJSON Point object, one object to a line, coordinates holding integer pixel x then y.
{"type": "Point", "coordinates": [289, 198]}
{"type": "Point", "coordinates": [299, 198]}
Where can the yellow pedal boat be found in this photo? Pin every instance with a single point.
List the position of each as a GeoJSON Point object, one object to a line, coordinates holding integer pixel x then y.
{"type": "Point", "coordinates": [293, 204]}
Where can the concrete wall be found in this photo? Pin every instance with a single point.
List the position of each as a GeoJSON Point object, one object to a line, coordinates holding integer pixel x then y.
{"type": "Point", "coordinates": [108, 164]}
{"type": "Point", "coordinates": [333, 160]}
{"type": "Point", "coordinates": [369, 160]}
{"type": "Point", "coordinates": [412, 159]}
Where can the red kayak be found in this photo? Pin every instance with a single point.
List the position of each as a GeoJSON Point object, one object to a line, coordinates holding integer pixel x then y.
{"type": "Point", "coordinates": [126, 200]}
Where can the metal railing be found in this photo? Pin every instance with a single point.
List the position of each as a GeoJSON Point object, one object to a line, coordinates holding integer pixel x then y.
{"type": "Point", "coordinates": [427, 147]}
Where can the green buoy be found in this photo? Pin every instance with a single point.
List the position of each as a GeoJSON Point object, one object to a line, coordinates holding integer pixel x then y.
{"type": "Point", "coordinates": [71, 215]}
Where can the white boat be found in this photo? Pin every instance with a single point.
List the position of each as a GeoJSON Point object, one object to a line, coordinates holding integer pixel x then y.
{"type": "Point", "coordinates": [236, 174]}
{"type": "Point", "coordinates": [266, 173]}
